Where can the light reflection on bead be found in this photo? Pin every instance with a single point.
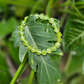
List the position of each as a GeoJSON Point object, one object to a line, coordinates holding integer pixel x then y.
{"type": "Point", "coordinates": [21, 33]}
{"type": "Point", "coordinates": [38, 52]}
{"type": "Point", "coordinates": [59, 34]}
{"type": "Point", "coordinates": [29, 47]}
{"type": "Point", "coordinates": [59, 39]}
{"type": "Point", "coordinates": [33, 49]}
{"type": "Point", "coordinates": [21, 27]}
{"type": "Point", "coordinates": [53, 48]}
{"type": "Point", "coordinates": [25, 18]}
{"type": "Point", "coordinates": [49, 50]}
{"type": "Point", "coordinates": [22, 38]}
{"type": "Point", "coordinates": [44, 52]}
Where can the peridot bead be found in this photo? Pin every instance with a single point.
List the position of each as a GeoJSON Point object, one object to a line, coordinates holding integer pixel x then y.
{"type": "Point", "coordinates": [51, 20]}
{"type": "Point", "coordinates": [38, 52]}
{"type": "Point", "coordinates": [54, 25]}
{"type": "Point", "coordinates": [22, 38]}
{"type": "Point", "coordinates": [26, 42]}
{"type": "Point", "coordinates": [41, 16]}
{"type": "Point", "coordinates": [59, 39]}
{"type": "Point", "coordinates": [44, 52]}
{"type": "Point", "coordinates": [29, 47]}
{"type": "Point", "coordinates": [56, 30]}
{"type": "Point", "coordinates": [57, 44]}
{"type": "Point", "coordinates": [23, 23]}
{"type": "Point", "coordinates": [33, 49]}
{"type": "Point", "coordinates": [59, 34]}
{"type": "Point", "coordinates": [21, 27]}
{"type": "Point", "coordinates": [25, 18]}
{"type": "Point", "coordinates": [49, 50]}
{"type": "Point", "coordinates": [21, 33]}
{"type": "Point", "coordinates": [53, 48]}
{"type": "Point", "coordinates": [46, 17]}
{"type": "Point", "coordinates": [37, 15]}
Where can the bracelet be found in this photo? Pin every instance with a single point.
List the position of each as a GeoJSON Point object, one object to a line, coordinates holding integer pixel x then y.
{"type": "Point", "coordinates": [33, 49]}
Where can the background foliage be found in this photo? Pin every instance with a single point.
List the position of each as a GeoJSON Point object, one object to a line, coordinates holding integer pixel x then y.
{"type": "Point", "coordinates": [71, 16]}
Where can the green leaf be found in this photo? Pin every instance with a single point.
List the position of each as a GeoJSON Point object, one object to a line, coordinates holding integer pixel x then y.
{"type": "Point", "coordinates": [47, 71]}
{"type": "Point", "coordinates": [37, 36]}
{"type": "Point", "coordinates": [4, 73]}
{"type": "Point", "coordinates": [25, 81]}
{"type": "Point", "coordinates": [41, 36]}
{"type": "Point", "coordinates": [13, 52]}
{"type": "Point", "coordinates": [73, 33]}
{"type": "Point", "coordinates": [78, 80]}
{"type": "Point", "coordinates": [18, 43]}
{"type": "Point", "coordinates": [8, 27]}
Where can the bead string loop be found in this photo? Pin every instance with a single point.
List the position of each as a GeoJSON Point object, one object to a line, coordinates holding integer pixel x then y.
{"type": "Point", "coordinates": [33, 49]}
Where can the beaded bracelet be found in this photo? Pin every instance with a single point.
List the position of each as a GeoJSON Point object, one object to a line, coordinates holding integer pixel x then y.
{"type": "Point", "coordinates": [33, 49]}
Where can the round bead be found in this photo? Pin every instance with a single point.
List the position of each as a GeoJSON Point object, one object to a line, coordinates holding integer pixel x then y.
{"type": "Point", "coordinates": [57, 44]}
{"type": "Point", "coordinates": [51, 20]}
{"type": "Point", "coordinates": [25, 18]}
{"type": "Point", "coordinates": [46, 17]}
{"type": "Point", "coordinates": [58, 34]}
{"type": "Point", "coordinates": [22, 38]}
{"type": "Point", "coordinates": [23, 23]}
{"type": "Point", "coordinates": [54, 25]}
{"type": "Point", "coordinates": [53, 48]}
{"type": "Point", "coordinates": [59, 39]}
{"type": "Point", "coordinates": [29, 47]}
{"type": "Point", "coordinates": [38, 52]}
{"type": "Point", "coordinates": [42, 16]}
{"type": "Point", "coordinates": [33, 49]}
{"type": "Point", "coordinates": [56, 30]}
{"type": "Point", "coordinates": [21, 28]}
{"type": "Point", "coordinates": [44, 52]}
{"type": "Point", "coordinates": [21, 33]}
{"type": "Point", "coordinates": [49, 50]}
{"type": "Point", "coordinates": [26, 43]}
{"type": "Point", "coordinates": [37, 15]}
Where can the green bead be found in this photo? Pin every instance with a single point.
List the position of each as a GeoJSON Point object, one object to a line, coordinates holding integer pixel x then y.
{"type": "Point", "coordinates": [29, 47]}
{"type": "Point", "coordinates": [25, 18]}
{"type": "Point", "coordinates": [21, 27]}
{"type": "Point", "coordinates": [44, 52]}
{"type": "Point", "coordinates": [53, 48]}
{"type": "Point", "coordinates": [42, 16]}
{"type": "Point", "coordinates": [59, 39]}
{"type": "Point", "coordinates": [26, 42]}
{"type": "Point", "coordinates": [49, 50]}
{"type": "Point", "coordinates": [51, 20]}
{"type": "Point", "coordinates": [59, 34]}
{"type": "Point", "coordinates": [33, 49]}
{"type": "Point", "coordinates": [22, 38]}
{"type": "Point", "coordinates": [21, 33]}
{"type": "Point", "coordinates": [54, 25]}
{"type": "Point", "coordinates": [57, 44]}
{"type": "Point", "coordinates": [56, 30]}
{"type": "Point", "coordinates": [46, 17]}
{"type": "Point", "coordinates": [37, 15]}
{"type": "Point", "coordinates": [38, 52]}
{"type": "Point", "coordinates": [23, 23]}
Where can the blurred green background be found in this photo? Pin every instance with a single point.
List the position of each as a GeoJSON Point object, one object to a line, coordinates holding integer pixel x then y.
{"type": "Point", "coordinates": [71, 16]}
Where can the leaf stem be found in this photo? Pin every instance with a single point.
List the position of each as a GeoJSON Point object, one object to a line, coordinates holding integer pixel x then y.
{"type": "Point", "coordinates": [48, 7]}
{"type": "Point", "coordinates": [68, 62]}
{"type": "Point", "coordinates": [75, 8]}
{"type": "Point", "coordinates": [64, 15]}
{"type": "Point", "coordinates": [31, 77]}
{"type": "Point", "coordinates": [35, 6]}
{"type": "Point", "coordinates": [18, 71]}
{"type": "Point", "coordinates": [69, 3]}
